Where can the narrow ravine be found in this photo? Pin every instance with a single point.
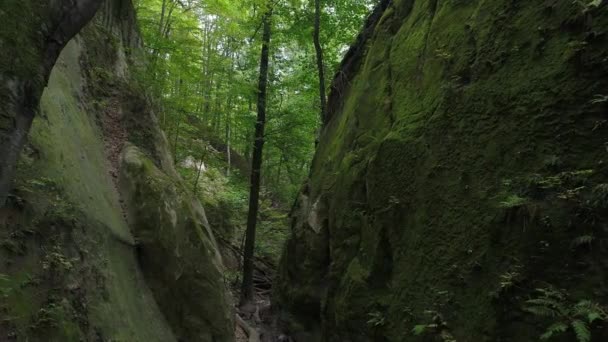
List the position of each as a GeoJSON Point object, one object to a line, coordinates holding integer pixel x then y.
{"type": "Point", "coordinates": [181, 170]}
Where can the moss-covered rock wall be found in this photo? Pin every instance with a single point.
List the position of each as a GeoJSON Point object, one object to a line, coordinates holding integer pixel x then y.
{"type": "Point", "coordinates": [177, 251]}
{"type": "Point", "coordinates": [72, 266]}
{"type": "Point", "coordinates": [463, 169]}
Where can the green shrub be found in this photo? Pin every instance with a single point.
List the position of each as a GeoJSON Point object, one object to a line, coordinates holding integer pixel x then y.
{"type": "Point", "coordinates": [565, 315]}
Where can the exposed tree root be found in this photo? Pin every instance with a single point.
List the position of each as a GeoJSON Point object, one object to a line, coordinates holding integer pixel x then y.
{"type": "Point", "coordinates": [252, 333]}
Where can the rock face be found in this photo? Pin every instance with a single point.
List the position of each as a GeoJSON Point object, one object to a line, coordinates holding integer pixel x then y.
{"type": "Point", "coordinates": [464, 167]}
{"type": "Point", "coordinates": [77, 261]}
{"type": "Point", "coordinates": [177, 251]}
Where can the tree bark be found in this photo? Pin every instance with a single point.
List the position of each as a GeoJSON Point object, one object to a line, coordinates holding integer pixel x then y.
{"type": "Point", "coordinates": [320, 63]}
{"type": "Point", "coordinates": [22, 84]}
{"type": "Point", "coordinates": [200, 169]}
{"type": "Point", "coordinates": [256, 165]}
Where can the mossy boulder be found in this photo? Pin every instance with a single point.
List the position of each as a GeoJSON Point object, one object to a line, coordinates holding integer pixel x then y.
{"type": "Point", "coordinates": [464, 151]}
{"type": "Point", "coordinates": [177, 251]}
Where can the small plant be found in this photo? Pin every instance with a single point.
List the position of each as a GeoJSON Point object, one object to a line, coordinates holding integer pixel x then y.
{"type": "Point", "coordinates": [588, 5]}
{"type": "Point", "coordinates": [57, 265]}
{"type": "Point", "coordinates": [438, 327]}
{"type": "Point", "coordinates": [420, 329]}
{"type": "Point", "coordinates": [554, 304]}
{"type": "Point", "coordinates": [583, 240]}
{"type": "Point", "coordinates": [4, 286]}
{"type": "Point", "coordinates": [599, 199]}
{"type": "Point", "coordinates": [377, 319]}
{"type": "Point", "coordinates": [553, 162]}
{"type": "Point", "coordinates": [513, 201]}
{"type": "Point", "coordinates": [445, 55]}
{"type": "Point", "coordinates": [509, 279]}
{"type": "Point", "coordinates": [571, 194]}
{"type": "Point", "coordinates": [599, 99]}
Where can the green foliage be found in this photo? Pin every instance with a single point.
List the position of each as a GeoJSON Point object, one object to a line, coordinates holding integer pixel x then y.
{"type": "Point", "coordinates": [554, 305]}
{"type": "Point", "coordinates": [202, 74]}
{"type": "Point", "coordinates": [583, 240]}
{"type": "Point", "coordinates": [421, 329]}
{"type": "Point", "coordinates": [599, 197]}
{"type": "Point", "coordinates": [599, 99]}
{"type": "Point", "coordinates": [588, 4]}
{"type": "Point", "coordinates": [509, 279]}
{"type": "Point", "coordinates": [376, 319]}
{"type": "Point", "coordinates": [4, 285]}
{"type": "Point", "coordinates": [513, 201]}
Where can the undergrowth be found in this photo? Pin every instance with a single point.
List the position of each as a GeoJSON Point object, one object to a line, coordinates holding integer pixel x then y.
{"type": "Point", "coordinates": [564, 314]}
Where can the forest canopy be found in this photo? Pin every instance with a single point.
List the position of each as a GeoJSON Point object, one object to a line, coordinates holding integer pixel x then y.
{"type": "Point", "coordinates": [202, 70]}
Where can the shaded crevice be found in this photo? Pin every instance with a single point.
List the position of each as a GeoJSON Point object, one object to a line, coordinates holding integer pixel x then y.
{"type": "Point", "coordinates": [422, 56]}
{"type": "Point", "coordinates": [389, 84]}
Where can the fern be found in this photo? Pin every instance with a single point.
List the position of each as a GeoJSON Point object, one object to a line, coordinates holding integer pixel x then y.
{"type": "Point", "coordinates": [581, 330]}
{"type": "Point", "coordinates": [586, 240]}
{"type": "Point", "coordinates": [589, 310]}
{"type": "Point", "coordinates": [578, 316]}
{"type": "Point", "coordinates": [541, 311]}
{"type": "Point", "coordinates": [554, 329]}
{"type": "Point", "coordinates": [377, 319]}
{"type": "Point", "coordinates": [596, 3]}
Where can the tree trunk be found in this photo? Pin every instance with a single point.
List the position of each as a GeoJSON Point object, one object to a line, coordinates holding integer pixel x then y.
{"type": "Point", "coordinates": [228, 134]}
{"type": "Point", "coordinates": [177, 127]}
{"type": "Point", "coordinates": [320, 63]}
{"type": "Point", "coordinates": [256, 165]}
{"type": "Point", "coordinates": [21, 85]}
{"type": "Point", "coordinates": [200, 168]}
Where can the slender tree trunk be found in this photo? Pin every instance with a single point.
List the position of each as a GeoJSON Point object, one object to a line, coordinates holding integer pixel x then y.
{"type": "Point", "coordinates": [228, 134]}
{"type": "Point", "coordinates": [229, 117]}
{"type": "Point", "coordinates": [217, 109]}
{"type": "Point", "coordinates": [23, 90]}
{"type": "Point", "coordinates": [256, 165]}
{"type": "Point", "coordinates": [161, 23]}
{"type": "Point", "coordinates": [320, 63]}
{"type": "Point", "coordinates": [177, 127]}
{"type": "Point", "coordinates": [200, 168]}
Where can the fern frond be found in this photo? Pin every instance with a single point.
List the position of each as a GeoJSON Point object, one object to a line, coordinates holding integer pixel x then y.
{"type": "Point", "coordinates": [554, 328]}
{"type": "Point", "coordinates": [542, 311]}
{"type": "Point", "coordinates": [551, 292]}
{"type": "Point", "coordinates": [582, 240]}
{"type": "Point", "coordinates": [545, 302]}
{"type": "Point", "coordinates": [590, 310]}
{"type": "Point", "coordinates": [593, 316]}
{"type": "Point", "coordinates": [581, 330]}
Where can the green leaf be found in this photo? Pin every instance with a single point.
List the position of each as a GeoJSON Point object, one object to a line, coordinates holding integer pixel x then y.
{"type": "Point", "coordinates": [581, 330]}
{"type": "Point", "coordinates": [542, 311]}
{"type": "Point", "coordinates": [419, 329]}
{"type": "Point", "coordinates": [582, 240]}
{"type": "Point", "coordinates": [595, 3]}
{"type": "Point", "coordinates": [593, 316]}
{"type": "Point", "coordinates": [554, 328]}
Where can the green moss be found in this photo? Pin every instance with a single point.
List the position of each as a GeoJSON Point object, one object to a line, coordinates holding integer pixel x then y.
{"type": "Point", "coordinates": [22, 38]}
{"type": "Point", "coordinates": [177, 250]}
{"type": "Point", "coordinates": [71, 205]}
{"type": "Point", "coordinates": [454, 98]}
